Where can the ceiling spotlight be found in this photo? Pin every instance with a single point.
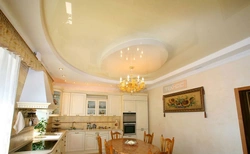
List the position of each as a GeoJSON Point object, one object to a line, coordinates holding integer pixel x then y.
{"type": "Point", "coordinates": [60, 69]}
{"type": "Point", "coordinates": [63, 76]}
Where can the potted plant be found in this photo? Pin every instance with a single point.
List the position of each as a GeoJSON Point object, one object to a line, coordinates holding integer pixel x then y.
{"type": "Point", "coordinates": [41, 126]}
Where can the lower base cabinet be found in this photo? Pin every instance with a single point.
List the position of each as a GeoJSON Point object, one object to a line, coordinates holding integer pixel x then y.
{"type": "Point", "coordinates": [90, 141]}
{"type": "Point", "coordinates": [60, 147]}
{"type": "Point", "coordinates": [140, 133]}
{"type": "Point", "coordinates": [75, 141]}
{"type": "Point", "coordinates": [91, 144]}
{"type": "Point", "coordinates": [86, 141]}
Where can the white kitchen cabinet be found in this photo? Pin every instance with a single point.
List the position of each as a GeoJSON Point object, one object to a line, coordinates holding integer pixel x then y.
{"type": "Point", "coordinates": [77, 105]}
{"type": "Point", "coordinates": [129, 102]}
{"type": "Point", "coordinates": [115, 105]}
{"type": "Point", "coordinates": [75, 141]}
{"type": "Point", "coordinates": [73, 104]}
{"type": "Point", "coordinates": [65, 104]}
{"type": "Point", "coordinates": [105, 136]}
{"type": "Point", "coordinates": [91, 144]}
{"type": "Point", "coordinates": [130, 136]}
{"type": "Point", "coordinates": [129, 106]}
{"type": "Point", "coordinates": [141, 114]}
{"type": "Point", "coordinates": [139, 105]}
{"type": "Point", "coordinates": [91, 141]}
{"type": "Point", "coordinates": [140, 133]}
{"type": "Point", "coordinates": [60, 146]}
{"type": "Point", "coordinates": [96, 107]}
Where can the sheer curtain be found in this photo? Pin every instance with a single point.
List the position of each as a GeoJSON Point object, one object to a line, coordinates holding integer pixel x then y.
{"type": "Point", "coordinates": [9, 71]}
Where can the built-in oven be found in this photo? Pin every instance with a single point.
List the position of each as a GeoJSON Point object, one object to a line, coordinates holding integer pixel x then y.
{"type": "Point", "coordinates": [129, 128]}
{"type": "Point", "coordinates": [129, 117]}
{"type": "Point", "coordinates": [129, 123]}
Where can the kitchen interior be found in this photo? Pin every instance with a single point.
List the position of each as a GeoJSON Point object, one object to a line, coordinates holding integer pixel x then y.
{"type": "Point", "coordinates": [201, 44]}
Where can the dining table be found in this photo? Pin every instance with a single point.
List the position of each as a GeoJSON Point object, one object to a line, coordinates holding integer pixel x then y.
{"type": "Point", "coordinates": [122, 146]}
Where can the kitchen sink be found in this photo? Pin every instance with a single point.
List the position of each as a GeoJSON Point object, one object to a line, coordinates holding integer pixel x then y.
{"type": "Point", "coordinates": [48, 136]}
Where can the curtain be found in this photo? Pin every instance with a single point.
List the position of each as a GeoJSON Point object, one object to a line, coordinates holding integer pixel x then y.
{"type": "Point", "coordinates": [9, 72]}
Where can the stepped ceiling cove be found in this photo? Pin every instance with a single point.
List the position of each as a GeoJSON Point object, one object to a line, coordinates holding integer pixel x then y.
{"type": "Point", "coordinates": [97, 41]}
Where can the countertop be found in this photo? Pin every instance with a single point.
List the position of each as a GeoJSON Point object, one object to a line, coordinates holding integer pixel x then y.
{"type": "Point", "coordinates": [46, 136]}
{"type": "Point", "coordinates": [57, 136]}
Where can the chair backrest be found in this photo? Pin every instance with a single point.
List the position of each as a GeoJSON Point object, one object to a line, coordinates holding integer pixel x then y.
{"type": "Point", "coordinates": [116, 135]}
{"type": "Point", "coordinates": [99, 141]}
{"type": "Point", "coordinates": [167, 145]}
{"type": "Point", "coordinates": [148, 138]}
{"type": "Point", "coordinates": [108, 148]}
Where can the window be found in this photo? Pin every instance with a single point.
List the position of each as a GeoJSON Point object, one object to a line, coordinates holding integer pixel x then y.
{"type": "Point", "coordinates": [9, 70]}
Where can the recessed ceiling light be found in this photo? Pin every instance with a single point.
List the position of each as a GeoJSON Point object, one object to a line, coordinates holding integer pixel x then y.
{"type": "Point", "coordinates": [68, 8]}
{"type": "Point", "coordinates": [60, 69]}
{"type": "Point", "coordinates": [63, 76]}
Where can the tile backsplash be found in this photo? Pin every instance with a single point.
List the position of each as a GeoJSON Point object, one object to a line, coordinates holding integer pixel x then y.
{"type": "Point", "coordinates": [80, 122]}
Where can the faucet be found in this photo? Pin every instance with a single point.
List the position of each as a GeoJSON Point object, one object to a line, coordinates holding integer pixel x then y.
{"type": "Point", "coordinates": [73, 127]}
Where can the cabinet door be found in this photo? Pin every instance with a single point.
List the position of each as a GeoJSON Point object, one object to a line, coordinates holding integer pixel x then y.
{"type": "Point", "coordinates": [102, 107]}
{"type": "Point", "coordinates": [115, 105]}
{"type": "Point", "coordinates": [91, 107]}
{"type": "Point", "coordinates": [129, 106]}
{"type": "Point", "coordinates": [65, 104]}
{"type": "Point", "coordinates": [77, 105]}
{"type": "Point", "coordinates": [75, 141]}
{"type": "Point", "coordinates": [91, 141]}
{"type": "Point", "coordinates": [105, 136]}
{"type": "Point", "coordinates": [140, 133]}
{"type": "Point", "coordinates": [141, 114]}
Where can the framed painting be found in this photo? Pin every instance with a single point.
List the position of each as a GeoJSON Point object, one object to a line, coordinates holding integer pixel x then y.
{"type": "Point", "coordinates": [191, 100]}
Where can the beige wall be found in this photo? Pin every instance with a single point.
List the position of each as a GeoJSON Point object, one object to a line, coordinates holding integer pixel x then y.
{"type": "Point", "coordinates": [194, 134]}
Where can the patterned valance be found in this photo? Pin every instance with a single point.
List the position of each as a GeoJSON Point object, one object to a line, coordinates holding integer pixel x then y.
{"type": "Point", "coordinates": [10, 38]}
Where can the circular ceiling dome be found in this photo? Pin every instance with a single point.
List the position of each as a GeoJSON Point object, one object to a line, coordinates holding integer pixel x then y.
{"type": "Point", "coordinates": [145, 55]}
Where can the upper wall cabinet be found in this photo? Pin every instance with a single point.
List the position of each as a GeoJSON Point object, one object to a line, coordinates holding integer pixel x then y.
{"type": "Point", "coordinates": [65, 104]}
{"type": "Point", "coordinates": [73, 104]}
{"type": "Point", "coordinates": [96, 106]}
{"type": "Point", "coordinates": [77, 105]}
{"type": "Point", "coordinates": [129, 102]}
{"type": "Point", "coordinates": [115, 105]}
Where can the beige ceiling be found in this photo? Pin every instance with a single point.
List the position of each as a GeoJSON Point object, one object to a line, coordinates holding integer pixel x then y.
{"type": "Point", "coordinates": [170, 34]}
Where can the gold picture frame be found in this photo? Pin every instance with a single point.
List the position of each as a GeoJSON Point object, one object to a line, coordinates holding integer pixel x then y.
{"type": "Point", "coordinates": [191, 100]}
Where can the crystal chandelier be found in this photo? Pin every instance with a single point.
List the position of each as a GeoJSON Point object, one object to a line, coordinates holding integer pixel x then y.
{"type": "Point", "coordinates": [132, 84]}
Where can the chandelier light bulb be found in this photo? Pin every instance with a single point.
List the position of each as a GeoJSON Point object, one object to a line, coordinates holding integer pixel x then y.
{"type": "Point", "coordinates": [132, 84]}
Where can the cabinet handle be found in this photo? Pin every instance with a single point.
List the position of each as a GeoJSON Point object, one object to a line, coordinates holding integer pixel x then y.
{"type": "Point", "coordinates": [76, 132]}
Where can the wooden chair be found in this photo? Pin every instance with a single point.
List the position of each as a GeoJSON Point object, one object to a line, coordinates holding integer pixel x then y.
{"type": "Point", "coordinates": [99, 141]}
{"type": "Point", "coordinates": [116, 135]}
{"type": "Point", "coordinates": [167, 145]}
{"type": "Point", "coordinates": [108, 149]}
{"type": "Point", "coordinates": [148, 138]}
